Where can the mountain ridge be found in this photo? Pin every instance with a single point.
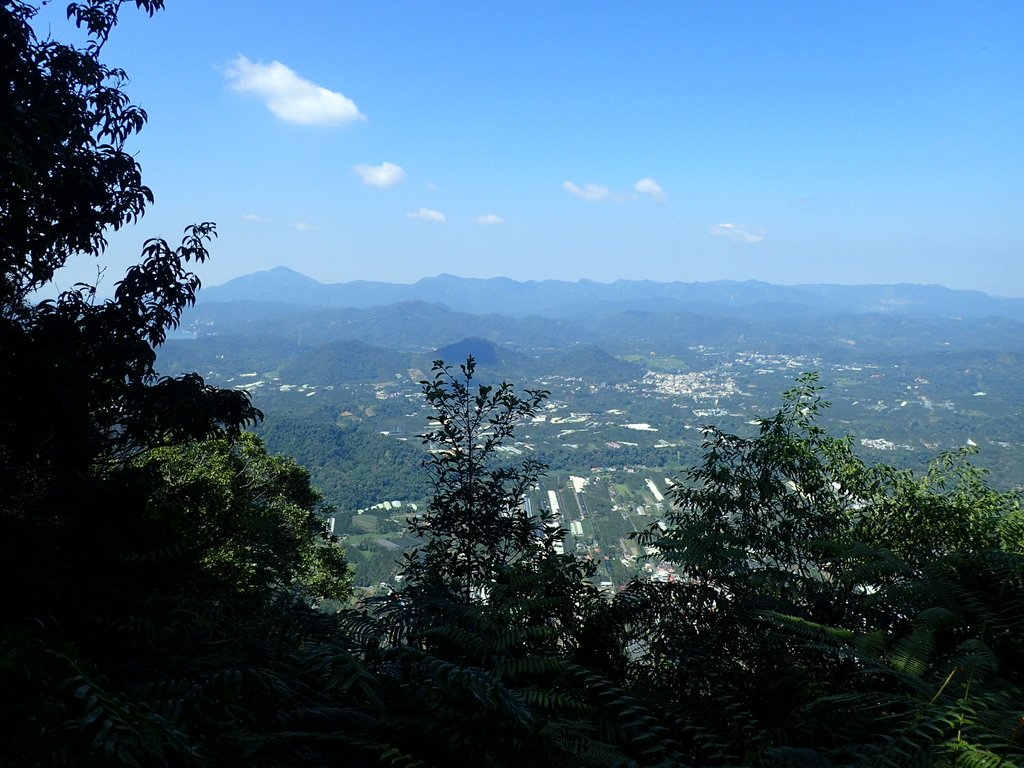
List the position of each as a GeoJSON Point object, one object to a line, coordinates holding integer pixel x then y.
{"type": "Point", "coordinates": [557, 298]}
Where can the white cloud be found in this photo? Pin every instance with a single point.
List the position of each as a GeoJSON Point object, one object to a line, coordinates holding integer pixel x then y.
{"type": "Point", "coordinates": [650, 187]}
{"type": "Point", "coordinates": [591, 192]}
{"type": "Point", "coordinates": [426, 214]}
{"type": "Point", "coordinates": [383, 175]}
{"type": "Point", "coordinates": [253, 217]}
{"type": "Point", "coordinates": [737, 233]}
{"type": "Point", "coordinates": [290, 97]}
{"type": "Point", "coordinates": [487, 218]}
{"type": "Point", "coordinates": [302, 226]}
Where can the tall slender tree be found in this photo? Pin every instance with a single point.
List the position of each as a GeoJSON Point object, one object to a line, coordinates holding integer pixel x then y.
{"type": "Point", "coordinates": [477, 523]}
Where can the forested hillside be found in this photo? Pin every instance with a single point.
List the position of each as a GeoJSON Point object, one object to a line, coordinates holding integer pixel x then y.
{"type": "Point", "coordinates": [173, 596]}
{"type": "Point", "coordinates": [906, 387]}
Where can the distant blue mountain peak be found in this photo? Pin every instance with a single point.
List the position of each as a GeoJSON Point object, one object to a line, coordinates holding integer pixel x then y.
{"type": "Point", "coordinates": [559, 298]}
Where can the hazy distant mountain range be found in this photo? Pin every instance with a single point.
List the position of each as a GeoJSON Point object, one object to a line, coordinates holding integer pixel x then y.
{"type": "Point", "coordinates": [265, 310]}
{"type": "Point", "coordinates": [555, 298]}
{"type": "Point", "coordinates": [338, 365]}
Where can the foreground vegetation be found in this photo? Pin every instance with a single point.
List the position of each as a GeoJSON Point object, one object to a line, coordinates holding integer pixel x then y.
{"type": "Point", "coordinates": [165, 579]}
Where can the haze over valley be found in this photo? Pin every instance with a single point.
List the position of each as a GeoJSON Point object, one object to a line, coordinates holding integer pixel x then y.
{"type": "Point", "coordinates": [635, 370]}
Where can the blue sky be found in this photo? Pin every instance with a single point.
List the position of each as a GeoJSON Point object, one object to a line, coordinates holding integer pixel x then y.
{"type": "Point", "coordinates": [801, 142]}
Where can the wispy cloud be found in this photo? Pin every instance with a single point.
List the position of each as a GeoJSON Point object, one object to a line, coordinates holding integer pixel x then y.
{"type": "Point", "coordinates": [487, 218]}
{"type": "Point", "coordinates": [596, 193]}
{"type": "Point", "coordinates": [651, 188]}
{"type": "Point", "coordinates": [737, 233]}
{"type": "Point", "coordinates": [426, 214]}
{"type": "Point", "coordinates": [302, 226]}
{"type": "Point", "coordinates": [255, 217]}
{"type": "Point", "coordinates": [383, 175]}
{"type": "Point", "coordinates": [593, 193]}
{"type": "Point", "coordinates": [290, 97]}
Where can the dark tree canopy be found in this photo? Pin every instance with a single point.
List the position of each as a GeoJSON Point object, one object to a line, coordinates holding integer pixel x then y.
{"type": "Point", "coordinates": [67, 178]}
{"type": "Point", "coordinates": [101, 557]}
{"type": "Point", "coordinates": [78, 382]}
{"type": "Point", "coordinates": [851, 613]}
